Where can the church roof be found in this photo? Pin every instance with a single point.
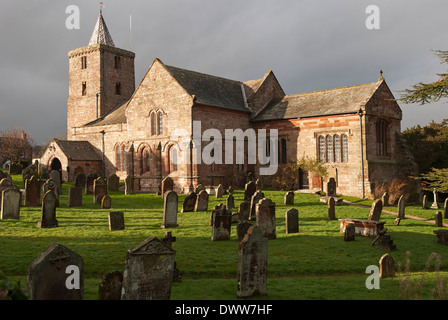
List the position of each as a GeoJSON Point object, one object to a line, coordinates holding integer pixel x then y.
{"type": "Point", "coordinates": [211, 90]}
{"type": "Point", "coordinates": [78, 150]}
{"type": "Point", "coordinates": [114, 116]}
{"type": "Point", "coordinates": [319, 103]}
{"type": "Point", "coordinates": [100, 33]}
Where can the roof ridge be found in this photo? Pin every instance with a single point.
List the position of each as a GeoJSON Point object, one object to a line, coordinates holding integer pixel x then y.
{"type": "Point", "coordinates": [333, 89]}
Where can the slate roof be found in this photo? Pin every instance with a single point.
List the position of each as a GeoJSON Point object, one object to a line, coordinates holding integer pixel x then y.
{"type": "Point", "coordinates": [319, 103]}
{"type": "Point", "coordinates": [78, 150]}
{"type": "Point", "coordinates": [100, 33]}
{"type": "Point", "coordinates": [114, 116]}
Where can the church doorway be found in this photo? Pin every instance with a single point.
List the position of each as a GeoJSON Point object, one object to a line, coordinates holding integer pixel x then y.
{"type": "Point", "coordinates": [56, 165]}
{"type": "Point", "coordinates": [303, 179]}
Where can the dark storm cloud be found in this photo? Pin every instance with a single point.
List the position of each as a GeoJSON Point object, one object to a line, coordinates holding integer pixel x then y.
{"type": "Point", "coordinates": [310, 45]}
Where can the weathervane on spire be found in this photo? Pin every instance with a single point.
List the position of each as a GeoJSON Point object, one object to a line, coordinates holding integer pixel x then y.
{"type": "Point", "coordinates": [381, 75]}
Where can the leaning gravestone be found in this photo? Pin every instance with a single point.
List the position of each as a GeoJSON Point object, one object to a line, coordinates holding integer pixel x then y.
{"type": "Point", "coordinates": [89, 182]}
{"type": "Point", "coordinates": [252, 264]}
{"type": "Point", "coordinates": [113, 182]}
{"type": "Point", "coordinates": [32, 192]}
{"type": "Point", "coordinates": [48, 213]}
{"type": "Point", "coordinates": [170, 203]}
{"type": "Point", "coordinates": [375, 210]}
{"type": "Point", "coordinates": [249, 190]}
{"type": "Point", "coordinates": [221, 222]}
{"type": "Point", "coordinates": [189, 202]}
{"type": "Point", "coordinates": [57, 274]}
{"type": "Point", "coordinates": [201, 201]}
{"type": "Point", "coordinates": [257, 196]}
{"type": "Point", "coordinates": [289, 198]}
{"type": "Point", "coordinates": [292, 221]}
{"type": "Point", "coordinates": [167, 185]}
{"type": "Point", "coordinates": [106, 202]}
{"type": "Point", "coordinates": [387, 266]}
{"type": "Point", "coordinates": [55, 175]}
{"type": "Point", "coordinates": [148, 273]}
{"type": "Point", "coordinates": [385, 199]}
{"type": "Point", "coordinates": [401, 207]}
{"type": "Point", "coordinates": [265, 213]}
{"type": "Point", "coordinates": [219, 191]}
{"type": "Point", "coordinates": [99, 190]}
{"type": "Point", "coordinates": [425, 202]}
{"type": "Point", "coordinates": [80, 180]}
{"type": "Point", "coordinates": [74, 196]}
{"type": "Point", "coordinates": [110, 286]}
{"type": "Point", "coordinates": [116, 220]}
{"type": "Point", "coordinates": [10, 204]}
{"type": "Point", "coordinates": [331, 209]}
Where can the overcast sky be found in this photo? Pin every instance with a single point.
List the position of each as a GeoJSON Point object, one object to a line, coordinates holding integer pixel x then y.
{"type": "Point", "coordinates": [309, 45]}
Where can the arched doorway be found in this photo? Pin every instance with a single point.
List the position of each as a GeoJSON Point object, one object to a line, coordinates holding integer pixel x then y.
{"type": "Point", "coordinates": [56, 165]}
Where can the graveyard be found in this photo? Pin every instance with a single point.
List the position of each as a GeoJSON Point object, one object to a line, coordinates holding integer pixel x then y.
{"type": "Point", "coordinates": [311, 262]}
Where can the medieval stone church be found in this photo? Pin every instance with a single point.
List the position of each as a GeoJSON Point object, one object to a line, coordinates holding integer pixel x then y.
{"type": "Point", "coordinates": [115, 127]}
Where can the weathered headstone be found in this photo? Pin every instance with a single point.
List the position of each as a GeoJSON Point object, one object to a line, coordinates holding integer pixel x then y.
{"type": "Point", "coordinates": [10, 204]}
{"type": "Point", "coordinates": [241, 229]}
{"type": "Point", "coordinates": [201, 201]}
{"type": "Point", "coordinates": [32, 192]}
{"type": "Point", "coordinates": [89, 182]}
{"type": "Point", "coordinates": [331, 208]}
{"type": "Point", "coordinates": [5, 183]}
{"type": "Point", "coordinates": [189, 202]}
{"type": "Point", "coordinates": [331, 188]}
{"type": "Point", "coordinates": [257, 196]}
{"type": "Point", "coordinates": [401, 207]}
{"type": "Point", "coordinates": [167, 185]}
{"type": "Point", "coordinates": [387, 266]}
{"type": "Point", "coordinates": [425, 202]}
{"type": "Point", "coordinates": [57, 274]}
{"type": "Point", "coordinates": [116, 220]}
{"type": "Point", "coordinates": [252, 264]}
{"type": "Point", "coordinates": [435, 204]}
{"type": "Point", "coordinates": [442, 236]}
{"type": "Point", "coordinates": [74, 196]}
{"type": "Point", "coordinates": [221, 222]}
{"type": "Point", "coordinates": [106, 202]}
{"type": "Point", "coordinates": [80, 180]}
{"type": "Point", "coordinates": [289, 198]}
{"type": "Point", "coordinates": [249, 190]}
{"type": "Point", "coordinates": [244, 210]}
{"type": "Point", "coordinates": [129, 185]}
{"type": "Point", "coordinates": [48, 212]}
{"type": "Point", "coordinates": [113, 182]}
{"type": "Point", "coordinates": [375, 210]}
{"type": "Point", "coordinates": [99, 190]}
{"type": "Point", "coordinates": [230, 202]}
{"type": "Point", "coordinates": [439, 219]}
{"type": "Point", "coordinates": [55, 175]}
{"type": "Point", "coordinates": [349, 232]}
{"type": "Point", "coordinates": [219, 191]}
{"type": "Point", "coordinates": [170, 203]}
{"type": "Point", "coordinates": [292, 221]}
{"type": "Point", "coordinates": [199, 188]}
{"type": "Point", "coordinates": [110, 286]}
{"type": "Point", "coordinates": [148, 273]}
{"type": "Point", "coordinates": [265, 213]}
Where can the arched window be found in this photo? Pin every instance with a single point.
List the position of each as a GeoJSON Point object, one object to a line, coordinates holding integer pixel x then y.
{"type": "Point", "coordinates": [344, 148]}
{"type": "Point", "coordinates": [329, 148]}
{"type": "Point", "coordinates": [160, 122]}
{"type": "Point", "coordinates": [173, 159]}
{"type": "Point", "coordinates": [118, 158]}
{"type": "Point", "coordinates": [337, 148]}
{"type": "Point", "coordinates": [146, 160]}
{"type": "Point", "coordinates": [381, 137]}
{"type": "Point", "coordinates": [321, 141]}
{"type": "Point", "coordinates": [125, 158]}
{"type": "Point", "coordinates": [153, 121]}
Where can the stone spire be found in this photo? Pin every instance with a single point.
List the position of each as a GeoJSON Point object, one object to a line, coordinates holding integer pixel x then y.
{"type": "Point", "coordinates": [100, 33]}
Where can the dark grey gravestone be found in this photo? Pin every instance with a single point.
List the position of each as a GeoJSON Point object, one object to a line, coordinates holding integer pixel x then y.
{"type": "Point", "coordinates": [48, 212]}
{"type": "Point", "coordinates": [116, 220]}
{"type": "Point", "coordinates": [74, 197]}
{"type": "Point", "coordinates": [292, 221]}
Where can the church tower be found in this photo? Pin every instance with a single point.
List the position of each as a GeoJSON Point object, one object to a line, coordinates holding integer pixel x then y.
{"type": "Point", "coordinates": [101, 77]}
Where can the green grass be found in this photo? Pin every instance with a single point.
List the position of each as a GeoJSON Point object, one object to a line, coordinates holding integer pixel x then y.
{"type": "Point", "coordinates": [315, 263]}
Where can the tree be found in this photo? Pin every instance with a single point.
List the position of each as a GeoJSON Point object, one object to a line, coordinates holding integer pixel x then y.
{"type": "Point", "coordinates": [424, 93]}
{"type": "Point", "coordinates": [15, 145]}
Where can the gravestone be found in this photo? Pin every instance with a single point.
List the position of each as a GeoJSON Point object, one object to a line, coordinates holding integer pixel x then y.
{"type": "Point", "coordinates": [221, 222]}
{"type": "Point", "coordinates": [10, 204]}
{"type": "Point", "coordinates": [249, 190]}
{"type": "Point", "coordinates": [401, 207]}
{"type": "Point", "coordinates": [331, 188]}
{"type": "Point", "coordinates": [49, 185]}
{"type": "Point", "coordinates": [116, 220]}
{"type": "Point", "coordinates": [445, 209]}
{"type": "Point", "coordinates": [219, 191]}
{"type": "Point", "coordinates": [80, 180]}
{"type": "Point", "coordinates": [387, 266]}
{"type": "Point", "coordinates": [57, 274]}
{"type": "Point", "coordinates": [189, 202]}
{"type": "Point", "coordinates": [230, 202]}
{"type": "Point", "coordinates": [375, 210]}
{"type": "Point", "coordinates": [167, 185]}
{"type": "Point", "coordinates": [170, 202]}
{"type": "Point", "coordinates": [113, 182]}
{"type": "Point", "coordinates": [425, 202]}
{"type": "Point", "coordinates": [13, 168]}
{"type": "Point", "coordinates": [148, 273]}
{"type": "Point", "coordinates": [201, 201]}
{"type": "Point", "coordinates": [289, 198]}
{"type": "Point", "coordinates": [265, 213]}
{"type": "Point", "coordinates": [55, 175]}
{"type": "Point", "coordinates": [258, 185]}
{"type": "Point", "coordinates": [110, 286]}
{"type": "Point", "coordinates": [331, 209]}
{"type": "Point", "coordinates": [257, 196]}
{"type": "Point", "coordinates": [106, 202]}
{"type": "Point", "coordinates": [244, 211]}
{"type": "Point", "coordinates": [241, 229]}
{"type": "Point", "coordinates": [385, 199]}
{"type": "Point", "coordinates": [4, 185]}
{"type": "Point", "coordinates": [435, 204]}
{"type": "Point", "coordinates": [439, 219]}
{"type": "Point", "coordinates": [128, 185]}
{"type": "Point", "coordinates": [91, 177]}
{"type": "Point", "coordinates": [99, 190]}
{"type": "Point", "coordinates": [292, 221]}
{"type": "Point", "coordinates": [442, 236]}
{"type": "Point", "coordinates": [252, 264]}
{"type": "Point", "coordinates": [32, 192]}
{"type": "Point", "coordinates": [74, 196]}
{"type": "Point", "coordinates": [199, 188]}
{"type": "Point", "coordinates": [349, 232]}
{"type": "Point", "coordinates": [48, 212]}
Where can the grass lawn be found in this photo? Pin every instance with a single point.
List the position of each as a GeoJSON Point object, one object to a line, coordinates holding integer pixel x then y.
{"type": "Point", "coordinates": [314, 264]}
